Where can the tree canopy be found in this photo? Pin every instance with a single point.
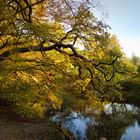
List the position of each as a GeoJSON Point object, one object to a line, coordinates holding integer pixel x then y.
{"type": "Point", "coordinates": [56, 53]}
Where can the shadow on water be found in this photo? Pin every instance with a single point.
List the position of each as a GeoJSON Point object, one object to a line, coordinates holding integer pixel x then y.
{"type": "Point", "coordinates": [115, 122]}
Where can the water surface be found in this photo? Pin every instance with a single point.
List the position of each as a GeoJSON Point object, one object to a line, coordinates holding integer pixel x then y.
{"type": "Point", "coordinates": [115, 122]}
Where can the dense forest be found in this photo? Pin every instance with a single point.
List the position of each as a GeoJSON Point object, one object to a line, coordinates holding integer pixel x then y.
{"type": "Point", "coordinates": [56, 55]}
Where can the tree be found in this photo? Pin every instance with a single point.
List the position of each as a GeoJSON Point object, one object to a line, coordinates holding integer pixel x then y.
{"type": "Point", "coordinates": [38, 54]}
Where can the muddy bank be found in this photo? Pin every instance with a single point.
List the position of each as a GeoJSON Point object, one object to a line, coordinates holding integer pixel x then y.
{"type": "Point", "coordinates": [12, 129]}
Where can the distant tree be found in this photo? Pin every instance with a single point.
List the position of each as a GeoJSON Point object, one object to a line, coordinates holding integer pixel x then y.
{"type": "Point", "coordinates": [135, 60]}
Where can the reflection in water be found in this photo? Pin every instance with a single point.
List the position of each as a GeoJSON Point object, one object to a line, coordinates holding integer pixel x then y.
{"type": "Point", "coordinates": [132, 132]}
{"type": "Point", "coordinates": [77, 126]}
{"type": "Point", "coordinates": [115, 122]}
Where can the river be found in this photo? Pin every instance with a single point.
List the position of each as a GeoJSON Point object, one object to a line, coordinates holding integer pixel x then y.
{"type": "Point", "coordinates": [114, 122]}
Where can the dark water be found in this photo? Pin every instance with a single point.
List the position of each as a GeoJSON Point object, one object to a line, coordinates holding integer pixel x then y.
{"type": "Point", "coordinates": [115, 122]}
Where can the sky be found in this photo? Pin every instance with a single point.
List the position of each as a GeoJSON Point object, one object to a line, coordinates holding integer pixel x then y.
{"type": "Point", "coordinates": [124, 19]}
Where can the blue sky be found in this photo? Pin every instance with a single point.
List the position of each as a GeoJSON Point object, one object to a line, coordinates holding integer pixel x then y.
{"type": "Point", "coordinates": [124, 19]}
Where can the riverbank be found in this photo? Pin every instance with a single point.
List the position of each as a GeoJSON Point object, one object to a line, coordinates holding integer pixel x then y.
{"type": "Point", "coordinates": [11, 128]}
